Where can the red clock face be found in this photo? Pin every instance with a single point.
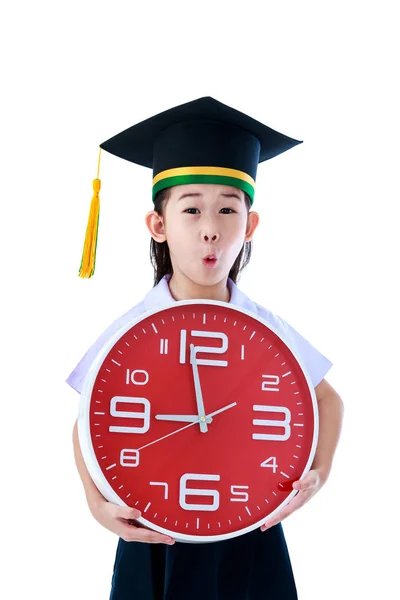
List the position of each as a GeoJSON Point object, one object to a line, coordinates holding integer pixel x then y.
{"type": "Point", "coordinates": [201, 417]}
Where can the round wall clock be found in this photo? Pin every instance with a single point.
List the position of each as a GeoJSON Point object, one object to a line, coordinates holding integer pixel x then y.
{"type": "Point", "coordinates": [201, 416]}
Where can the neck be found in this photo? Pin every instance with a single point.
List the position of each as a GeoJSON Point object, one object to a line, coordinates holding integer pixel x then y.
{"type": "Point", "coordinates": [183, 288]}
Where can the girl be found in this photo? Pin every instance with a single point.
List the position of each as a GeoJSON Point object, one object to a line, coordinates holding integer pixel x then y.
{"type": "Point", "coordinates": [204, 156]}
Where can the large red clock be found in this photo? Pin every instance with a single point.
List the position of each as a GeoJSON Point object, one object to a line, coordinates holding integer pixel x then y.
{"type": "Point", "coordinates": [201, 416]}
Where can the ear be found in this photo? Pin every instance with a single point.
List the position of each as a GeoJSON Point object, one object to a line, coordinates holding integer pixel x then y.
{"type": "Point", "coordinates": [252, 223]}
{"type": "Point", "coordinates": [155, 224]}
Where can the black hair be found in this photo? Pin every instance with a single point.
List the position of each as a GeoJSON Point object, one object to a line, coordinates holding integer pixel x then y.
{"type": "Point", "coordinates": [159, 252]}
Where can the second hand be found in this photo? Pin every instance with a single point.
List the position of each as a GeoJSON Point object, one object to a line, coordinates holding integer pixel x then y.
{"type": "Point", "coordinates": [190, 425]}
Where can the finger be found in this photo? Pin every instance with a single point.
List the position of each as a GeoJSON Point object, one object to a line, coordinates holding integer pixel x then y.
{"type": "Point", "coordinates": [140, 534]}
{"type": "Point", "coordinates": [152, 537]}
{"type": "Point", "coordinates": [135, 531]}
{"type": "Point", "coordinates": [295, 504]}
{"type": "Point", "coordinates": [308, 482]}
{"type": "Point", "coordinates": [127, 512]}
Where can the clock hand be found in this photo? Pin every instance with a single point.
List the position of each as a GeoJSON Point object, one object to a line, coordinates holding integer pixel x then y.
{"type": "Point", "coordinates": [192, 418]}
{"type": "Point", "coordinates": [220, 410]}
{"type": "Point", "coordinates": [183, 418]}
{"type": "Point", "coordinates": [216, 412]}
{"type": "Point", "coordinates": [197, 389]}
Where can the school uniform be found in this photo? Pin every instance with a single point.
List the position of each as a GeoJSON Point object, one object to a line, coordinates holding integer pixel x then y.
{"type": "Point", "coordinates": [254, 566]}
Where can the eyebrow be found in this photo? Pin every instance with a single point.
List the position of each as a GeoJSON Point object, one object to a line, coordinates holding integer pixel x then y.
{"type": "Point", "coordinates": [197, 195]}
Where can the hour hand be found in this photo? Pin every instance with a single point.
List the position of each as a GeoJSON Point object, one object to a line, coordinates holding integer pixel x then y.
{"type": "Point", "coordinates": [183, 418]}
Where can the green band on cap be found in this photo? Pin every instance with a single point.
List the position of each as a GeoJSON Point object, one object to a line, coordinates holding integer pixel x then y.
{"type": "Point", "coordinates": [197, 178]}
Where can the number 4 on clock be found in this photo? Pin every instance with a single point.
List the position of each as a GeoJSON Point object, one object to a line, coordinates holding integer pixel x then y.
{"type": "Point", "coordinates": [268, 463]}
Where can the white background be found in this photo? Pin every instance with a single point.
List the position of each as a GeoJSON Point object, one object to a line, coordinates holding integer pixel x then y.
{"type": "Point", "coordinates": [325, 254]}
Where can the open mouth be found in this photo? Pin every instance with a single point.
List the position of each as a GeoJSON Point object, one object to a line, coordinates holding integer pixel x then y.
{"type": "Point", "coordinates": [210, 260]}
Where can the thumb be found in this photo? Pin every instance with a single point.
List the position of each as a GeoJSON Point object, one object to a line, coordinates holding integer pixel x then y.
{"type": "Point", "coordinates": [307, 482]}
{"type": "Point", "coordinates": [128, 512]}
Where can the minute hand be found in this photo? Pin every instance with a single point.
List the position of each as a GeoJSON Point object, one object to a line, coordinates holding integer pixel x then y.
{"type": "Point", "coordinates": [197, 388]}
{"type": "Point", "coordinates": [216, 412]}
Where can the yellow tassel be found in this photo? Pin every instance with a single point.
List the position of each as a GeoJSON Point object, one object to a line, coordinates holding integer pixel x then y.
{"type": "Point", "coordinates": [88, 261]}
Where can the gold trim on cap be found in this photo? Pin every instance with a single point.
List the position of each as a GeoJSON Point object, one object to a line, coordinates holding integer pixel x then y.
{"type": "Point", "coordinates": [179, 171]}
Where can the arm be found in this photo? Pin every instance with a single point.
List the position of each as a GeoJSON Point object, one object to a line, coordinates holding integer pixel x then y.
{"type": "Point", "coordinates": [331, 410]}
{"type": "Point", "coordinates": [91, 491]}
{"type": "Point", "coordinates": [115, 518]}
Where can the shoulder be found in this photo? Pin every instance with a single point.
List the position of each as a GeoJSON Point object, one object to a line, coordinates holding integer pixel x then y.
{"type": "Point", "coordinates": [118, 323]}
{"type": "Point", "coordinates": [269, 316]}
{"type": "Point", "coordinates": [157, 297]}
{"type": "Point", "coordinates": [283, 327]}
{"type": "Point", "coordinates": [313, 361]}
{"type": "Point", "coordinates": [240, 299]}
{"type": "Point", "coordinates": [76, 378]}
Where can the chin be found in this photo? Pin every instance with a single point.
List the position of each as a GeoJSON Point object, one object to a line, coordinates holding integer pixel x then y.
{"type": "Point", "coordinates": [209, 278]}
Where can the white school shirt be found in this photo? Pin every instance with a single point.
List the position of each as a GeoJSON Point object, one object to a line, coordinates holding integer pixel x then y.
{"type": "Point", "coordinates": [316, 364]}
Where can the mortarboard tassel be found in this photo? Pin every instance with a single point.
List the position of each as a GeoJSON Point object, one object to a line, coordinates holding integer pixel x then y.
{"type": "Point", "coordinates": [88, 261]}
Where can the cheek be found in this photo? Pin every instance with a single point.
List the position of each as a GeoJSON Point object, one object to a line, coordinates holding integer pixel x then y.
{"type": "Point", "coordinates": [236, 232]}
{"type": "Point", "coordinates": [178, 236]}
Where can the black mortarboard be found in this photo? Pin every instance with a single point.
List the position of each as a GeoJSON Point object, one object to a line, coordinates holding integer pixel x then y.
{"type": "Point", "coordinates": [203, 141]}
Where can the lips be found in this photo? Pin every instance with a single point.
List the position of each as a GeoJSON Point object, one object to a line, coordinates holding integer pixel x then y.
{"type": "Point", "coordinates": [210, 260]}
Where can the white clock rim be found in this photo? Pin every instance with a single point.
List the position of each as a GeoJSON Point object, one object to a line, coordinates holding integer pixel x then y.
{"type": "Point", "coordinates": [84, 428]}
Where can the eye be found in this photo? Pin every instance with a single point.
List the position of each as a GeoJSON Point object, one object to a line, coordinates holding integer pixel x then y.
{"type": "Point", "coordinates": [190, 209]}
{"type": "Point", "coordinates": [230, 209]}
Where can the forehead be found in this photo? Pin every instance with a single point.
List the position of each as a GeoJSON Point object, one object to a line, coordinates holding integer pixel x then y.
{"type": "Point", "coordinates": [205, 190]}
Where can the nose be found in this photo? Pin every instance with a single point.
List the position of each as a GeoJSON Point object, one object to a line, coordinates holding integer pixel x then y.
{"type": "Point", "coordinates": [212, 238]}
{"type": "Point", "coordinates": [209, 231]}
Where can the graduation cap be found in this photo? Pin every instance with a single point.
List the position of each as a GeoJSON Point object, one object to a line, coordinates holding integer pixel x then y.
{"type": "Point", "coordinates": [203, 141]}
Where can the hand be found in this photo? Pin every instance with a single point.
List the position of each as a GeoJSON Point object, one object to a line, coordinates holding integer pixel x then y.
{"type": "Point", "coordinates": [182, 418]}
{"type": "Point", "coordinates": [307, 487]}
{"type": "Point", "coordinates": [197, 389]}
{"type": "Point", "coordinates": [120, 520]}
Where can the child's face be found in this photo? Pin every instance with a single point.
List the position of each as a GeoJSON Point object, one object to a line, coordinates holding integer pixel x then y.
{"type": "Point", "coordinates": [206, 219]}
